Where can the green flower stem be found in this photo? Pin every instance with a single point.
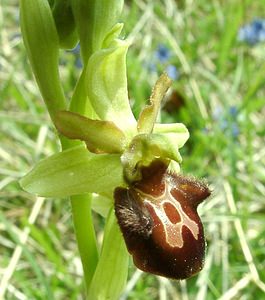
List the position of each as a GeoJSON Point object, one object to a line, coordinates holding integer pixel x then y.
{"type": "Point", "coordinates": [84, 228]}
{"type": "Point", "coordinates": [84, 231]}
{"type": "Point", "coordinates": [85, 235]}
{"type": "Point", "coordinates": [80, 102]}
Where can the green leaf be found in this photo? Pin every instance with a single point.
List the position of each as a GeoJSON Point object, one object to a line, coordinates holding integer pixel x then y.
{"type": "Point", "coordinates": [42, 45]}
{"type": "Point", "coordinates": [254, 85]}
{"type": "Point", "coordinates": [233, 17]}
{"type": "Point", "coordinates": [74, 171]}
{"type": "Point", "coordinates": [112, 270]}
{"type": "Point", "coordinates": [107, 86]}
{"type": "Point", "coordinates": [100, 136]}
{"type": "Point", "coordinates": [148, 115]}
{"type": "Point", "coordinates": [31, 260]}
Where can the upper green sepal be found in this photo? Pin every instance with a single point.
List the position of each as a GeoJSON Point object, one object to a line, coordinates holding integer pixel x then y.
{"type": "Point", "coordinates": [74, 171]}
{"type": "Point", "coordinates": [99, 136]}
{"type": "Point", "coordinates": [107, 86]}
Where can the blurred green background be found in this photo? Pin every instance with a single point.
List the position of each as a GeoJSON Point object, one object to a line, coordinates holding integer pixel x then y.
{"type": "Point", "coordinates": [215, 52]}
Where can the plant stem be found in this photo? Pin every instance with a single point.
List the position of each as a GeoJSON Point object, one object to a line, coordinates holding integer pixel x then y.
{"type": "Point", "coordinates": [84, 228]}
{"type": "Point", "coordinates": [85, 235]}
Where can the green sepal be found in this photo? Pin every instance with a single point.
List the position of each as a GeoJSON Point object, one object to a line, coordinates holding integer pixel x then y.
{"type": "Point", "coordinates": [99, 136]}
{"type": "Point", "coordinates": [42, 45]}
{"type": "Point", "coordinates": [107, 86]}
{"type": "Point", "coordinates": [149, 114]}
{"type": "Point", "coordinates": [74, 171]}
{"type": "Point", "coordinates": [65, 23]}
{"type": "Point", "coordinates": [112, 270]}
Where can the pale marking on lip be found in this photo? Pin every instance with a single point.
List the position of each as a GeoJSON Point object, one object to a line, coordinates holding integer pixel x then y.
{"type": "Point", "coordinates": [172, 231]}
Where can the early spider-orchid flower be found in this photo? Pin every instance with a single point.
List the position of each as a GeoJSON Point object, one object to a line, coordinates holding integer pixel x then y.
{"type": "Point", "coordinates": [108, 154]}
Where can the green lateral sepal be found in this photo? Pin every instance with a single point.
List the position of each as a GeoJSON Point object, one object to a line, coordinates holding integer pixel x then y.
{"type": "Point", "coordinates": [99, 136]}
{"type": "Point", "coordinates": [74, 171]}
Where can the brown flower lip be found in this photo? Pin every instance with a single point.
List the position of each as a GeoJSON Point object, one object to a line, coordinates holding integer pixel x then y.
{"type": "Point", "coordinates": [160, 224]}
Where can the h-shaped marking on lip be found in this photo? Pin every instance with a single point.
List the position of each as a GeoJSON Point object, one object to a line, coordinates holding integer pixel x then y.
{"type": "Point", "coordinates": [173, 231]}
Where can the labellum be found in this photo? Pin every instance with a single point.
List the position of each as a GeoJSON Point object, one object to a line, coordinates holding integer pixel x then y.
{"type": "Point", "coordinates": [160, 224]}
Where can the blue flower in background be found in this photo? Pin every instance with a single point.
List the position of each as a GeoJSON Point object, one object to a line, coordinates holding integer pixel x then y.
{"type": "Point", "coordinates": [227, 122]}
{"type": "Point", "coordinates": [235, 130]}
{"type": "Point", "coordinates": [162, 53]}
{"type": "Point", "coordinates": [253, 32]}
{"type": "Point", "coordinates": [160, 61]}
{"type": "Point", "coordinates": [233, 110]}
{"type": "Point", "coordinates": [172, 72]}
{"type": "Point", "coordinates": [76, 52]}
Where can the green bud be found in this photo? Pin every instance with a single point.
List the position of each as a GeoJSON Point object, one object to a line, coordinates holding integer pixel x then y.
{"type": "Point", "coordinates": [94, 20]}
{"type": "Point", "coordinates": [65, 23]}
{"type": "Point", "coordinates": [51, 2]}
